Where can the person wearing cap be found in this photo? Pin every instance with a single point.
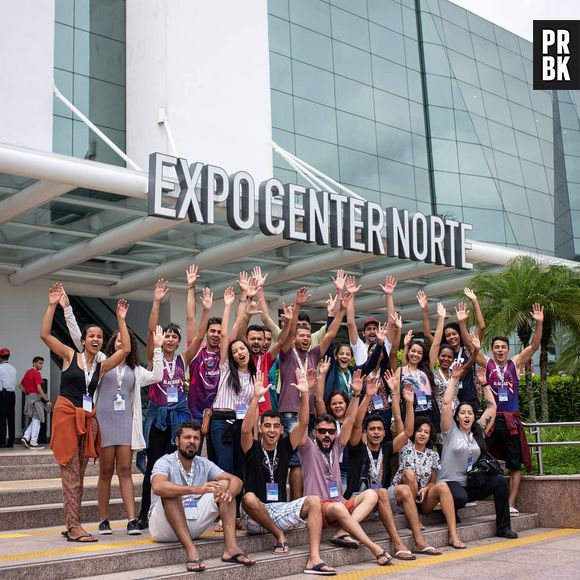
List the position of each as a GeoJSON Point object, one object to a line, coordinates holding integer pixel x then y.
{"type": "Point", "coordinates": [7, 399]}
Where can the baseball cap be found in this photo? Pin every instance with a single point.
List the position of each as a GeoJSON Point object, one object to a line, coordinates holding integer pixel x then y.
{"type": "Point", "coordinates": [4, 352]}
{"type": "Point", "coordinates": [370, 320]}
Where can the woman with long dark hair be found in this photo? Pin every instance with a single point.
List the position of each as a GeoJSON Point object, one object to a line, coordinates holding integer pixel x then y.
{"type": "Point", "coordinates": [75, 431]}
{"type": "Point", "coordinates": [463, 443]}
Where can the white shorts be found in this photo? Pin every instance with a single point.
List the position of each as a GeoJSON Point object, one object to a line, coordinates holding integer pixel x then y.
{"type": "Point", "coordinates": [284, 514]}
{"type": "Point", "coordinates": [161, 530]}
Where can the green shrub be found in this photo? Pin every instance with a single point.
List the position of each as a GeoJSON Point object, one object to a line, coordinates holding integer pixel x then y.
{"type": "Point", "coordinates": [563, 398]}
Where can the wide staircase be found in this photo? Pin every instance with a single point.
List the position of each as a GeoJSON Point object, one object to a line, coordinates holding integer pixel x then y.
{"type": "Point", "coordinates": [31, 545]}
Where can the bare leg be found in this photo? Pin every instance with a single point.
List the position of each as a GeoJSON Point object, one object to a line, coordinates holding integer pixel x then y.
{"type": "Point", "coordinates": [386, 515]}
{"type": "Point", "coordinates": [124, 463]}
{"type": "Point", "coordinates": [404, 497]}
{"type": "Point", "coordinates": [312, 512]}
{"type": "Point", "coordinates": [515, 482]}
{"type": "Point", "coordinates": [227, 511]}
{"type": "Point", "coordinates": [410, 479]}
{"type": "Point", "coordinates": [256, 510]}
{"type": "Point", "coordinates": [106, 470]}
{"type": "Point", "coordinates": [440, 493]}
{"type": "Point", "coordinates": [364, 505]}
{"type": "Point", "coordinates": [295, 481]}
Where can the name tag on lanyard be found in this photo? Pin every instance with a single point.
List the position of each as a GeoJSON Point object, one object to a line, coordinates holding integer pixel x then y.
{"type": "Point", "coordinates": [332, 489]}
{"type": "Point", "coordinates": [119, 403]}
{"type": "Point", "coordinates": [272, 492]}
{"type": "Point", "coordinates": [503, 394]}
{"type": "Point", "coordinates": [241, 410]}
{"type": "Point", "coordinates": [421, 398]}
{"type": "Point", "coordinates": [378, 403]}
{"type": "Point", "coordinates": [190, 508]}
{"type": "Point", "coordinates": [172, 394]}
{"type": "Point", "coordinates": [87, 403]}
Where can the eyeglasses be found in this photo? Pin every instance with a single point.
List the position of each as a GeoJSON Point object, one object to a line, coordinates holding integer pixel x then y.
{"type": "Point", "coordinates": [323, 431]}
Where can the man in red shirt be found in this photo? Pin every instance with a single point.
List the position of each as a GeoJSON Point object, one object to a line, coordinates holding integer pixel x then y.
{"type": "Point", "coordinates": [31, 386]}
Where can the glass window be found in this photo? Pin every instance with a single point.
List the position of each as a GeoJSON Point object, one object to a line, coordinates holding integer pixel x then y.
{"type": "Point", "coordinates": [350, 29]}
{"type": "Point", "coordinates": [517, 91]}
{"type": "Point", "coordinates": [278, 8]}
{"type": "Point", "coordinates": [103, 103]}
{"type": "Point", "coordinates": [285, 175]}
{"type": "Point", "coordinates": [481, 129]}
{"type": "Point", "coordinates": [541, 205]}
{"type": "Point", "coordinates": [491, 79]}
{"type": "Point", "coordinates": [319, 154]}
{"type": "Point", "coordinates": [535, 176]}
{"type": "Point", "coordinates": [497, 108]}
{"type": "Point", "coordinates": [282, 111]}
{"type": "Point", "coordinates": [447, 188]}
{"type": "Point", "coordinates": [458, 39]}
{"type": "Point", "coordinates": [415, 85]}
{"type": "Point", "coordinates": [544, 126]}
{"type": "Point", "coordinates": [279, 35]}
{"type": "Point", "coordinates": [480, 192]}
{"type": "Point", "coordinates": [512, 63]}
{"type": "Point", "coordinates": [502, 138]}
{"type": "Point", "coordinates": [355, 6]}
{"type": "Point", "coordinates": [419, 150]}
{"type": "Point", "coordinates": [514, 198]}
{"type": "Point", "coordinates": [87, 145]}
{"type": "Point", "coordinates": [508, 167]}
{"type": "Point", "coordinates": [458, 100]}
{"type": "Point", "coordinates": [454, 13]}
{"type": "Point", "coordinates": [439, 91]}
{"type": "Point", "coordinates": [544, 232]}
{"type": "Point", "coordinates": [507, 39]}
{"type": "Point", "coordinates": [486, 51]}
{"type": "Point", "coordinates": [547, 153]}
{"type": "Point", "coordinates": [63, 47]}
{"type": "Point", "coordinates": [62, 135]}
{"type": "Point", "coordinates": [571, 142]}
{"type": "Point", "coordinates": [394, 144]}
{"type": "Point", "coordinates": [389, 76]}
{"type": "Point", "coordinates": [387, 13]}
{"type": "Point", "coordinates": [412, 54]}
{"type": "Point", "coordinates": [568, 116]}
{"type": "Point", "coordinates": [431, 28]}
{"type": "Point", "coordinates": [99, 57]}
{"type": "Point", "coordinates": [392, 110]}
{"type": "Point", "coordinates": [312, 83]}
{"type": "Point", "coordinates": [315, 120]}
{"type": "Point", "coordinates": [453, 213]}
{"type": "Point", "coordinates": [572, 169]}
{"type": "Point", "coordinates": [480, 26]}
{"type": "Point", "coordinates": [444, 155]}
{"type": "Point", "coordinates": [523, 119]}
{"type": "Point", "coordinates": [422, 185]}
{"type": "Point", "coordinates": [541, 102]}
{"type": "Point", "coordinates": [464, 127]}
{"type": "Point", "coordinates": [105, 18]}
{"type": "Point", "coordinates": [417, 118]}
{"type": "Point", "coordinates": [472, 98]}
{"type": "Point", "coordinates": [352, 62]}
{"type": "Point", "coordinates": [463, 68]}
{"type": "Point", "coordinates": [280, 72]}
{"type": "Point", "coordinates": [354, 97]}
{"type": "Point", "coordinates": [64, 11]}
{"type": "Point", "coordinates": [409, 22]}
{"type": "Point", "coordinates": [488, 225]}
{"type": "Point", "coordinates": [472, 160]}
{"type": "Point", "coordinates": [356, 133]}
{"type": "Point", "coordinates": [64, 83]}
{"type": "Point", "coordinates": [442, 123]}
{"type": "Point", "coordinates": [396, 178]}
{"type": "Point", "coordinates": [436, 61]}
{"type": "Point", "coordinates": [310, 47]}
{"type": "Point", "coordinates": [390, 200]}
{"type": "Point", "coordinates": [285, 139]}
{"type": "Point", "coordinates": [312, 14]}
{"type": "Point", "coordinates": [526, 50]}
{"type": "Point", "coordinates": [521, 226]}
{"type": "Point", "coordinates": [528, 147]}
{"type": "Point", "coordinates": [358, 168]}
{"type": "Point", "coordinates": [368, 194]}
{"type": "Point", "coordinates": [386, 43]}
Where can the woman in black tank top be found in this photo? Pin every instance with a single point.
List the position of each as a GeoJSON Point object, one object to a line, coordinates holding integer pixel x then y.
{"type": "Point", "coordinates": [80, 375]}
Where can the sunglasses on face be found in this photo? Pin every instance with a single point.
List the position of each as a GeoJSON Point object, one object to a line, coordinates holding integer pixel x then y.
{"type": "Point", "coordinates": [323, 431]}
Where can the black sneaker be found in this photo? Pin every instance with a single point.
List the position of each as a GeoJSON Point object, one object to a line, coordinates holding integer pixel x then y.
{"type": "Point", "coordinates": [142, 522]}
{"type": "Point", "coordinates": [25, 442]}
{"type": "Point", "coordinates": [105, 528]}
{"type": "Point", "coordinates": [509, 534]}
{"type": "Point", "coordinates": [133, 528]}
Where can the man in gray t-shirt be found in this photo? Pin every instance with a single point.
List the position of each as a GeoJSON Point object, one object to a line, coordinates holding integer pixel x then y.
{"type": "Point", "coordinates": [188, 492]}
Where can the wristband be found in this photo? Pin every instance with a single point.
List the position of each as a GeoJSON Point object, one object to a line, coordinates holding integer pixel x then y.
{"type": "Point", "coordinates": [353, 395]}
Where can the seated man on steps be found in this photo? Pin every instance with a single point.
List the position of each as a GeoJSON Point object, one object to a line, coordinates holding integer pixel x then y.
{"type": "Point", "coordinates": [188, 492]}
{"type": "Point", "coordinates": [265, 504]}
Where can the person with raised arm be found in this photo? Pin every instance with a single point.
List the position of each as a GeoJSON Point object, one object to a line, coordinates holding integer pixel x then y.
{"type": "Point", "coordinates": [265, 505]}
{"type": "Point", "coordinates": [75, 430]}
{"type": "Point", "coordinates": [463, 443]}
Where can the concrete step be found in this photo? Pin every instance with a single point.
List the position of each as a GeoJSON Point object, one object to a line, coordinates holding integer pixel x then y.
{"type": "Point", "coordinates": [120, 557]}
{"type": "Point", "coordinates": [22, 456]}
{"type": "Point", "coordinates": [46, 491]}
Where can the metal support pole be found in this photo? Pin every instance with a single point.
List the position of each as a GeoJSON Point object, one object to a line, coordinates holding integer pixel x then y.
{"type": "Point", "coordinates": [537, 432]}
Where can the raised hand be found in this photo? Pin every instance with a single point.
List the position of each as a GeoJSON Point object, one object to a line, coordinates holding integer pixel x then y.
{"type": "Point", "coordinates": [64, 301]}
{"type": "Point", "coordinates": [302, 295]}
{"type": "Point", "coordinates": [331, 305]}
{"type": "Point", "coordinates": [392, 381]}
{"type": "Point", "coordinates": [324, 365]}
{"type": "Point", "coordinates": [441, 310]}
{"type": "Point", "coordinates": [192, 274]}
{"type": "Point", "coordinates": [389, 286]}
{"type": "Point", "coordinates": [311, 378]}
{"type": "Point", "coordinates": [229, 296]}
{"type": "Point", "coordinates": [259, 389]}
{"type": "Point", "coordinates": [340, 280]}
{"type": "Point", "coordinates": [470, 294]}
{"type": "Point", "coordinates": [372, 387]}
{"type": "Point", "coordinates": [481, 375]}
{"type": "Point", "coordinates": [408, 338]}
{"type": "Point", "coordinates": [461, 312]}
{"type": "Point", "coordinates": [287, 313]}
{"type": "Point", "coordinates": [356, 383]}
{"type": "Point", "coordinates": [252, 288]}
{"type": "Point", "coordinates": [345, 299]}
{"type": "Point", "coordinates": [122, 307]}
{"type": "Point", "coordinates": [475, 340]}
{"type": "Point", "coordinates": [55, 293]}
{"type": "Point", "coordinates": [351, 285]}
{"type": "Point", "coordinates": [422, 300]}
{"type": "Point", "coordinates": [252, 308]}
{"type": "Point", "coordinates": [397, 320]}
{"type": "Point", "coordinates": [301, 383]}
{"type": "Point", "coordinates": [244, 281]}
{"type": "Point", "coordinates": [206, 298]}
{"type": "Point", "coordinates": [537, 312]}
{"type": "Point", "coordinates": [158, 337]}
{"type": "Point", "coordinates": [382, 332]}
{"type": "Point", "coordinates": [258, 276]}
{"type": "Point", "coordinates": [409, 394]}
{"type": "Point", "coordinates": [457, 371]}
{"type": "Point", "coordinates": [161, 290]}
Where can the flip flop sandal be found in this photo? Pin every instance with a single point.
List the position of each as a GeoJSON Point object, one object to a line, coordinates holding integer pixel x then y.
{"type": "Point", "coordinates": [281, 545]}
{"type": "Point", "coordinates": [318, 570]}
{"type": "Point", "coordinates": [383, 554]}
{"type": "Point", "coordinates": [458, 545]}
{"type": "Point", "coordinates": [405, 555]}
{"type": "Point", "coordinates": [238, 559]}
{"type": "Point", "coordinates": [429, 551]}
{"type": "Point", "coordinates": [200, 565]}
{"type": "Point", "coordinates": [82, 539]}
{"type": "Point", "coordinates": [344, 543]}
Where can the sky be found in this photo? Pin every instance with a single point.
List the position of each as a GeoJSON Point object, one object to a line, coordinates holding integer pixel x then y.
{"type": "Point", "coordinates": [518, 15]}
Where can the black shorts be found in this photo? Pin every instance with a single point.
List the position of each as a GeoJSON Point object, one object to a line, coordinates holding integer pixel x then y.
{"type": "Point", "coordinates": [510, 444]}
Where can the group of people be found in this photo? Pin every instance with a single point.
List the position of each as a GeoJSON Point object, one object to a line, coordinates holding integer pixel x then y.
{"type": "Point", "coordinates": [299, 429]}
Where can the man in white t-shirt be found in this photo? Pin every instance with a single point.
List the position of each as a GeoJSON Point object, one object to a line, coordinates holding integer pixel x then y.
{"type": "Point", "coordinates": [8, 381]}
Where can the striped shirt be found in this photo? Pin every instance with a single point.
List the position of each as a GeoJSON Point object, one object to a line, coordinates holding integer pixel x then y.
{"type": "Point", "coordinates": [226, 397]}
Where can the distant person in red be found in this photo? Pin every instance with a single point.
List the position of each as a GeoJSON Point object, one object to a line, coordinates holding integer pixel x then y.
{"type": "Point", "coordinates": [37, 402]}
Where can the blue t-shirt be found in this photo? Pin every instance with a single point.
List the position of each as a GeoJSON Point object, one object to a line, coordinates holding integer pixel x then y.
{"type": "Point", "coordinates": [203, 470]}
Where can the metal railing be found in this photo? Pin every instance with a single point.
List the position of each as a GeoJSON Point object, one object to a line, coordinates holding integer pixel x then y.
{"type": "Point", "coordinates": [536, 432]}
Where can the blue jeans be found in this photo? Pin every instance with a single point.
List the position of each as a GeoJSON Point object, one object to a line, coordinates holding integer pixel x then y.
{"type": "Point", "coordinates": [228, 453]}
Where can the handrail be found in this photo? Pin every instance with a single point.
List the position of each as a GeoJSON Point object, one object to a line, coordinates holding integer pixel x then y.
{"type": "Point", "coordinates": [536, 446]}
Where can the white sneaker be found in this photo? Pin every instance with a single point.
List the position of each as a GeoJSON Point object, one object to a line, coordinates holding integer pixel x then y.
{"type": "Point", "coordinates": [514, 511]}
{"type": "Point", "coordinates": [37, 447]}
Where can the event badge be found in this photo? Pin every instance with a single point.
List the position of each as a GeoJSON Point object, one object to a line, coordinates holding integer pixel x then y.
{"type": "Point", "coordinates": [190, 508]}
{"type": "Point", "coordinates": [119, 403]}
{"type": "Point", "coordinates": [503, 394]}
{"type": "Point", "coordinates": [241, 410]}
{"type": "Point", "coordinates": [378, 403]}
{"type": "Point", "coordinates": [469, 463]}
{"type": "Point", "coordinates": [87, 403]}
{"type": "Point", "coordinates": [172, 395]}
{"type": "Point", "coordinates": [272, 492]}
{"type": "Point", "coordinates": [332, 489]}
{"type": "Point", "coordinates": [421, 399]}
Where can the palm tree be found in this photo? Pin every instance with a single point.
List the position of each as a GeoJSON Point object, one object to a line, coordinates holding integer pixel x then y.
{"type": "Point", "coordinates": [506, 297]}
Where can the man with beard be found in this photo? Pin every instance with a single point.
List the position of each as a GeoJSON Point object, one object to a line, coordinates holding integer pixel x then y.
{"type": "Point", "coordinates": [320, 461]}
{"type": "Point", "coordinates": [297, 354]}
{"type": "Point", "coordinates": [265, 505]}
{"type": "Point", "coordinates": [188, 492]}
{"type": "Point", "coordinates": [369, 466]}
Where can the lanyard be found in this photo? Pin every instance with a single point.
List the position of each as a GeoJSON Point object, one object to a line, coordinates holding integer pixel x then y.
{"type": "Point", "coordinates": [328, 459]}
{"type": "Point", "coordinates": [444, 379]}
{"type": "Point", "coordinates": [303, 365]}
{"type": "Point", "coordinates": [416, 459]}
{"type": "Point", "coordinates": [500, 372]}
{"type": "Point", "coordinates": [469, 441]}
{"type": "Point", "coordinates": [271, 465]}
{"type": "Point", "coordinates": [88, 374]}
{"type": "Point", "coordinates": [188, 476]}
{"type": "Point", "coordinates": [120, 376]}
{"type": "Point", "coordinates": [375, 465]}
{"type": "Point", "coordinates": [169, 366]}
